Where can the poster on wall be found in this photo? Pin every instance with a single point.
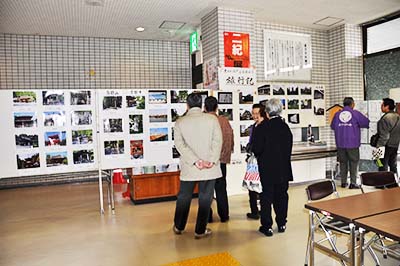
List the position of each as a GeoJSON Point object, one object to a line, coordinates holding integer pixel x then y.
{"type": "Point", "coordinates": [287, 56]}
{"type": "Point", "coordinates": [236, 49]}
{"type": "Point", "coordinates": [210, 74]}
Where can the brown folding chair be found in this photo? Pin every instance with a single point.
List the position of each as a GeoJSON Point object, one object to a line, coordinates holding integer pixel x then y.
{"type": "Point", "coordinates": [327, 224]}
{"type": "Point", "coordinates": [382, 180]}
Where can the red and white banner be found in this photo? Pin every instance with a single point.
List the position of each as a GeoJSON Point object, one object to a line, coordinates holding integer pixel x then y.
{"type": "Point", "coordinates": [236, 49]}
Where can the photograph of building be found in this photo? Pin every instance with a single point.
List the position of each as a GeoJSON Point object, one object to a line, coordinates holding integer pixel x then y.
{"type": "Point", "coordinates": [83, 156]}
{"type": "Point", "coordinates": [25, 119]}
{"type": "Point", "coordinates": [112, 102]}
{"type": "Point", "coordinates": [81, 98]}
{"type": "Point", "coordinates": [112, 125]}
{"type": "Point", "coordinates": [158, 115]}
{"type": "Point", "coordinates": [158, 134]}
{"type": "Point", "coordinates": [55, 138]}
{"type": "Point", "coordinates": [53, 97]}
{"type": "Point", "coordinates": [113, 147]}
{"type": "Point", "coordinates": [135, 102]}
{"type": "Point", "coordinates": [84, 136]}
{"type": "Point", "coordinates": [157, 97]}
{"type": "Point", "coordinates": [54, 119]}
{"type": "Point", "coordinates": [24, 97]}
{"type": "Point", "coordinates": [26, 141]}
{"type": "Point", "coordinates": [29, 160]}
{"type": "Point", "coordinates": [79, 118]}
{"type": "Point", "coordinates": [56, 159]}
{"type": "Point", "coordinates": [135, 124]}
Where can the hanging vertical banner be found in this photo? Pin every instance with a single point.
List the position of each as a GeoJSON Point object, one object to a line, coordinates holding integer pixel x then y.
{"type": "Point", "coordinates": [236, 49]}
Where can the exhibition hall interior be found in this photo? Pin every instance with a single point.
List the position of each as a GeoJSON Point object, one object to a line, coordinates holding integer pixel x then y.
{"type": "Point", "coordinates": [216, 133]}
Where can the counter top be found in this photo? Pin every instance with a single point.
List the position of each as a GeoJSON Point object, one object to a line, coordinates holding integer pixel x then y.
{"type": "Point", "coordinates": [305, 151]}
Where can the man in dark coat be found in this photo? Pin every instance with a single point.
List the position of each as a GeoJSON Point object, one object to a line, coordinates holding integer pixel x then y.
{"type": "Point", "coordinates": [272, 145]}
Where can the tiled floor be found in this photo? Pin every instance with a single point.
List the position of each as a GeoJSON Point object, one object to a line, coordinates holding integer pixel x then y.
{"type": "Point", "coordinates": [61, 225]}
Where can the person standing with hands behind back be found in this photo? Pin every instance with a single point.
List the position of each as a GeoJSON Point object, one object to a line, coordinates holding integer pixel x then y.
{"type": "Point", "coordinates": [347, 125]}
{"type": "Point", "coordinates": [198, 139]}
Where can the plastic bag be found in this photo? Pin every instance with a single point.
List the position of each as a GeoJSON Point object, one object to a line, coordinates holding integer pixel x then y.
{"type": "Point", "coordinates": [251, 180]}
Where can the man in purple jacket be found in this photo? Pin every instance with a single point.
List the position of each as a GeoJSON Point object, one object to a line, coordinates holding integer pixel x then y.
{"type": "Point", "coordinates": [346, 124]}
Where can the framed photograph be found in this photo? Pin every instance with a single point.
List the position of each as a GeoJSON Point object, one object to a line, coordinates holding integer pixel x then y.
{"type": "Point", "coordinates": [245, 130]}
{"type": "Point", "coordinates": [306, 104]}
{"type": "Point", "coordinates": [53, 97]}
{"type": "Point", "coordinates": [264, 90]}
{"type": "Point", "coordinates": [278, 91]}
{"type": "Point", "coordinates": [319, 108]}
{"type": "Point", "coordinates": [113, 147]}
{"type": "Point", "coordinates": [293, 104]}
{"type": "Point", "coordinates": [225, 97]}
{"type": "Point", "coordinates": [56, 158]}
{"type": "Point", "coordinates": [305, 91]}
{"type": "Point", "coordinates": [28, 160]}
{"type": "Point", "coordinates": [158, 115]}
{"type": "Point", "coordinates": [157, 97]}
{"type": "Point", "coordinates": [294, 119]}
{"type": "Point", "coordinates": [54, 119]}
{"type": "Point", "coordinates": [175, 153]}
{"type": "Point", "coordinates": [318, 94]}
{"type": "Point", "coordinates": [136, 102]}
{"type": "Point", "coordinates": [24, 98]}
{"type": "Point", "coordinates": [23, 141]}
{"type": "Point", "coordinates": [25, 119]}
{"type": "Point", "coordinates": [82, 136]}
{"type": "Point", "coordinates": [243, 145]}
{"type": "Point", "coordinates": [158, 134]}
{"type": "Point", "coordinates": [112, 102]}
{"type": "Point", "coordinates": [228, 113]}
{"type": "Point", "coordinates": [79, 118]}
{"type": "Point", "coordinates": [55, 138]}
{"type": "Point", "coordinates": [292, 90]}
{"type": "Point", "coordinates": [176, 113]}
{"type": "Point", "coordinates": [179, 96]}
{"type": "Point", "coordinates": [135, 124]}
{"type": "Point", "coordinates": [80, 97]}
{"type": "Point", "coordinates": [245, 114]}
{"type": "Point", "coordinates": [83, 156]}
{"type": "Point", "coordinates": [245, 98]}
{"type": "Point", "coordinates": [137, 151]}
{"type": "Point", "coordinates": [112, 125]}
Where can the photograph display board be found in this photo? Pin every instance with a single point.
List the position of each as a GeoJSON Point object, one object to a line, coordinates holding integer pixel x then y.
{"type": "Point", "coordinates": [287, 56]}
{"type": "Point", "coordinates": [303, 104]}
{"type": "Point", "coordinates": [47, 131]}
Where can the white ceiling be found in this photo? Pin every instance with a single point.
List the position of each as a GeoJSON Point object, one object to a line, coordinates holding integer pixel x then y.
{"type": "Point", "coordinates": [119, 18]}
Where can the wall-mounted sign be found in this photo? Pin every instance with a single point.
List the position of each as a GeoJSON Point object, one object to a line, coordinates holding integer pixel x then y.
{"type": "Point", "coordinates": [236, 49]}
{"type": "Point", "coordinates": [233, 78]}
{"type": "Point", "coordinates": [287, 55]}
{"type": "Point", "coordinates": [194, 42]}
{"type": "Point", "coordinates": [210, 74]}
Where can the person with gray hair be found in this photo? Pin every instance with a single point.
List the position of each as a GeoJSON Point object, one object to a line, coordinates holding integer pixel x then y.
{"type": "Point", "coordinates": [272, 146]}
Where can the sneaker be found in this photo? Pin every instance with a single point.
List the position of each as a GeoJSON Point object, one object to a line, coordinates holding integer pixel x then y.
{"type": "Point", "coordinates": [282, 229]}
{"type": "Point", "coordinates": [254, 216]}
{"type": "Point", "coordinates": [208, 232]}
{"type": "Point", "coordinates": [343, 185]}
{"type": "Point", "coordinates": [177, 231]}
{"type": "Point", "coordinates": [267, 232]}
{"type": "Point", "coordinates": [354, 186]}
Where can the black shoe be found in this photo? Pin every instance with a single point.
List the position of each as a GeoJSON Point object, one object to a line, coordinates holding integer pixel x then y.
{"type": "Point", "coordinates": [224, 220]}
{"type": "Point", "coordinates": [267, 232]}
{"type": "Point", "coordinates": [282, 229]}
{"type": "Point", "coordinates": [343, 185]}
{"type": "Point", "coordinates": [354, 186]}
{"type": "Point", "coordinates": [254, 216]}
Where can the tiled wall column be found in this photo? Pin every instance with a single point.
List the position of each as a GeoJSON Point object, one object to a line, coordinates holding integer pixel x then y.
{"type": "Point", "coordinates": [219, 20]}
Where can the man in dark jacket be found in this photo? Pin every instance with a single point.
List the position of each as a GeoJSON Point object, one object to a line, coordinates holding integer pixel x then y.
{"type": "Point", "coordinates": [389, 135]}
{"type": "Point", "coordinates": [272, 145]}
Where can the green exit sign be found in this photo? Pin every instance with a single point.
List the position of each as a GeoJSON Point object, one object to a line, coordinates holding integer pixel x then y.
{"type": "Point", "coordinates": [194, 42]}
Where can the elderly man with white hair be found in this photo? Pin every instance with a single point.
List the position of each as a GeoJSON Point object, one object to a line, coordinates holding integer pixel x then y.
{"type": "Point", "coordinates": [272, 146]}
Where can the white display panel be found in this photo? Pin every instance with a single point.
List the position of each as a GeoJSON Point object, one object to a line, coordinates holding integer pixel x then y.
{"type": "Point", "coordinates": [47, 131]}
{"type": "Point", "coordinates": [384, 36]}
{"type": "Point", "coordinates": [303, 104]}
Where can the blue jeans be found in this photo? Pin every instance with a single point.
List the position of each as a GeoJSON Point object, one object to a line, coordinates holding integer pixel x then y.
{"type": "Point", "coordinates": [184, 198]}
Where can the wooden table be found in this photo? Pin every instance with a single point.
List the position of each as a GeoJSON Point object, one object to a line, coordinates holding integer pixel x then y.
{"type": "Point", "coordinates": [385, 224]}
{"type": "Point", "coordinates": [348, 209]}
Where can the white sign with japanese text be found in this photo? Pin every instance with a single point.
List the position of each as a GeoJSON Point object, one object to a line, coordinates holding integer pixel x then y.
{"type": "Point", "coordinates": [234, 78]}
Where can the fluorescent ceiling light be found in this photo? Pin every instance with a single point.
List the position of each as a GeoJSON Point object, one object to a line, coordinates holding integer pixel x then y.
{"type": "Point", "coordinates": [139, 29]}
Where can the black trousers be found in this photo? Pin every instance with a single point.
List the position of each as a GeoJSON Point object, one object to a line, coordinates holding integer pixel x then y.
{"type": "Point", "coordinates": [277, 196]}
{"type": "Point", "coordinates": [206, 189]}
{"type": "Point", "coordinates": [253, 197]}
{"type": "Point", "coordinates": [222, 195]}
{"type": "Point", "coordinates": [389, 160]}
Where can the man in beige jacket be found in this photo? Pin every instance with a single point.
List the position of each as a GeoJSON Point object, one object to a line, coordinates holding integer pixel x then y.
{"type": "Point", "coordinates": [198, 139]}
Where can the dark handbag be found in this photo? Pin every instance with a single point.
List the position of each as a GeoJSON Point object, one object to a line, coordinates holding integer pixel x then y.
{"type": "Point", "coordinates": [374, 140]}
